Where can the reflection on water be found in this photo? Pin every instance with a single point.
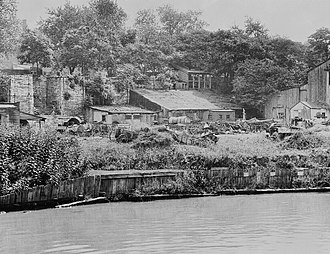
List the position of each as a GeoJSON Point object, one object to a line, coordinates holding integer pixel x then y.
{"type": "Point", "coordinates": [281, 223]}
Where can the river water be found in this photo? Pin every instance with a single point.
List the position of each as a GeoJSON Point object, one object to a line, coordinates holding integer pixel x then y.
{"type": "Point", "coordinates": [278, 223]}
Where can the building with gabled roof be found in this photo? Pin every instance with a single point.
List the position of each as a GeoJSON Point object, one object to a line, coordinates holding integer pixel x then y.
{"type": "Point", "coordinates": [177, 103]}
{"type": "Point", "coordinates": [120, 114]}
{"type": "Point", "coordinates": [308, 111]}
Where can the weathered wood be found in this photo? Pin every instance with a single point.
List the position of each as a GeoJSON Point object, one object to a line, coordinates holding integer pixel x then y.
{"type": "Point", "coordinates": [12, 198]}
{"type": "Point", "coordinates": [30, 195]}
{"type": "Point", "coordinates": [97, 186]}
{"type": "Point", "coordinates": [47, 192]}
{"type": "Point", "coordinates": [25, 196]}
{"type": "Point", "coordinates": [89, 186]}
{"type": "Point", "coordinates": [36, 194]}
{"type": "Point", "coordinates": [78, 187]}
{"type": "Point", "coordinates": [55, 191]}
{"type": "Point", "coordinates": [120, 183]}
{"type": "Point", "coordinates": [18, 197]}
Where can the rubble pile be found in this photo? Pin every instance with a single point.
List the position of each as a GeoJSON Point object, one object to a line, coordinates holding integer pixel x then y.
{"type": "Point", "coordinates": [152, 139]}
{"type": "Point", "coordinates": [301, 141]}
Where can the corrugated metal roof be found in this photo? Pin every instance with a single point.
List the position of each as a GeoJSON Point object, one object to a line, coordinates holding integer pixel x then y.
{"type": "Point", "coordinates": [122, 109]}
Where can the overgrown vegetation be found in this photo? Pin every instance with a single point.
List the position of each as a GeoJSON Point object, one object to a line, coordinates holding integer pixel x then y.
{"type": "Point", "coordinates": [242, 152]}
{"type": "Point", "coordinates": [29, 158]}
{"type": "Point", "coordinates": [94, 38]}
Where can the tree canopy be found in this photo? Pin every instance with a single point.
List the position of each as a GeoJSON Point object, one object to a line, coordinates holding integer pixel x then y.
{"type": "Point", "coordinates": [36, 48]}
{"type": "Point", "coordinates": [94, 37]}
{"type": "Point", "coordinates": [255, 80]}
{"type": "Point", "coordinates": [10, 26]}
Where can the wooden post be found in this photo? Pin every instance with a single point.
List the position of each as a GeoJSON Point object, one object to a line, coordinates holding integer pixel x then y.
{"type": "Point", "coordinates": [199, 81]}
{"type": "Point", "coordinates": [210, 83]}
{"type": "Point", "coordinates": [204, 81]}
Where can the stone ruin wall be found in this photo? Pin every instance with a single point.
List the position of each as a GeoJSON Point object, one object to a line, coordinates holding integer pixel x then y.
{"type": "Point", "coordinates": [49, 93]}
{"type": "Point", "coordinates": [21, 90]}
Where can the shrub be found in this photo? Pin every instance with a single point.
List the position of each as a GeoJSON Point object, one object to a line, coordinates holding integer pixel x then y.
{"type": "Point", "coordinates": [29, 158]}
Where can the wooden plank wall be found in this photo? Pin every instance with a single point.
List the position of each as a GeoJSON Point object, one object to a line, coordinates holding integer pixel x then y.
{"type": "Point", "coordinates": [69, 190]}
{"type": "Point", "coordinates": [282, 102]}
{"type": "Point", "coordinates": [274, 178]}
{"type": "Point", "coordinates": [317, 84]}
{"type": "Point", "coordinates": [112, 185]}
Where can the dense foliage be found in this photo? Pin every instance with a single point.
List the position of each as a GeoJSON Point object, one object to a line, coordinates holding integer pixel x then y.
{"type": "Point", "coordinates": [9, 26]}
{"type": "Point", "coordinates": [29, 158]}
{"type": "Point", "coordinates": [94, 38]}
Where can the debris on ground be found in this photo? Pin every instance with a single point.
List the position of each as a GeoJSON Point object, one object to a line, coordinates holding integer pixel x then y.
{"type": "Point", "coordinates": [301, 141]}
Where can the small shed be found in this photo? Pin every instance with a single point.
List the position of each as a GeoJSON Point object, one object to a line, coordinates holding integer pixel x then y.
{"type": "Point", "coordinates": [120, 115]}
{"type": "Point", "coordinates": [221, 115]}
{"type": "Point", "coordinates": [9, 113]}
{"type": "Point", "coordinates": [308, 111]}
{"type": "Point", "coordinates": [27, 119]}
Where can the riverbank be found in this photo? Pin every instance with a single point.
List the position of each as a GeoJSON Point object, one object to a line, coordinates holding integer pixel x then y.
{"type": "Point", "coordinates": [244, 162]}
{"type": "Point", "coordinates": [137, 186]}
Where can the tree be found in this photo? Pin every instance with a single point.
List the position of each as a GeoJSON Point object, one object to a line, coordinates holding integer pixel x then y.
{"type": "Point", "coordinates": [174, 22]}
{"type": "Point", "coordinates": [255, 80]}
{"type": "Point", "coordinates": [147, 26]}
{"type": "Point", "coordinates": [128, 37]}
{"type": "Point", "coordinates": [61, 20]}
{"type": "Point", "coordinates": [9, 26]}
{"type": "Point", "coordinates": [86, 37]}
{"type": "Point", "coordinates": [291, 55]}
{"type": "Point", "coordinates": [194, 50]}
{"type": "Point", "coordinates": [78, 49]}
{"type": "Point", "coordinates": [319, 46]}
{"type": "Point", "coordinates": [36, 49]}
{"type": "Point", "coordinates": [96, 93]}
{"type": "Point", "coordinates": [254, 28]}
{"type": "Point", "coordinates": [106, 16]}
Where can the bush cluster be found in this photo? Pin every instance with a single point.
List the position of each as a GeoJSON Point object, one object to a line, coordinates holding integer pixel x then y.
{"type": "Point", "coordinates": [29, 158]}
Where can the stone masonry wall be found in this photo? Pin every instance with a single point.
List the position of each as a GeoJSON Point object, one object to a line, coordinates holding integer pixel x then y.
{"type": "Point", "coordinates": [59, 95]}
{"type": "Point", "coordinates": [21, 90]}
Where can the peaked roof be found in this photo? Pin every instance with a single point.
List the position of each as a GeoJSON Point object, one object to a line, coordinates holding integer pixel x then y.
{"type": "Point", "coordinates": [318, 65]}
{"type": "Point", "coordinates": [310, 105]}
{"type": "Point", "coordinates": [178, 99]}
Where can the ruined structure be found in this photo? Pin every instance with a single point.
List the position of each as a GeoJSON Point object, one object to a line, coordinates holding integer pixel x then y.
{"type": "Point", "coordinates": [18, 88]}
{"type": "Point", "coordinates": [59, 95]}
